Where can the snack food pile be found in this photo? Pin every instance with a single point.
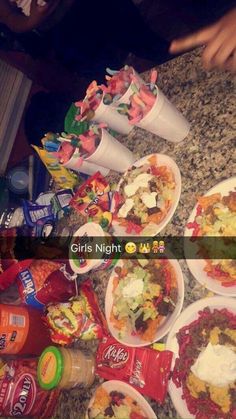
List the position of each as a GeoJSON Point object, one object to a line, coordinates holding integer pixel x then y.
{"type": "Point", "coordinates": [63, 330]}
{"type": "Point", "coordinates": [216, 217]}
{"type": "Point", "coordinates": [205, 367]}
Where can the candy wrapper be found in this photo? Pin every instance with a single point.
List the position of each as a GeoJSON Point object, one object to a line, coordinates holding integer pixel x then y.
{"type": "Point", "coordinates": [40, 218]}
{"type": "Point", "coordinates": [93, 200]}
{"type": "Point", "coordinates": [61, 201]}
{"type": "Point", "coordinates": [63, 177]}
{"type": "Point", "coordinates": [80, 318]}
{"type": "Point", "coordinates": [147, 370]}
{"type": "Point", "coordinates": [44, 282]}
{"type": "Point", "coordinates": [20, 394]}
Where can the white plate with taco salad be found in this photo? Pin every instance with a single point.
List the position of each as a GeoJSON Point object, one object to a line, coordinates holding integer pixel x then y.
{"type": "Point", "coordinates": [203, 340]}
{"type": "Point", "coordinates": [143, 299]}
{"type": "Point", "coordinates": [214, 216]}
{"type": "Point", "coordinates": [118, 400]}
{"type": "Point", "coordinates": [146, 197]}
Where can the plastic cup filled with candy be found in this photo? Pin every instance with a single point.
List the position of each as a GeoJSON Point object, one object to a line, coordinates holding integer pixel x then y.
{"type": "Point", "coordinates": [94, 150]}
{"type": "Point", "coordinates": [71, 151]}
{"type": "Point", "coordinates": [119, 85]}
{"type": "Point", "coordinates": [151, 110]}
{"type": "Point", "coordinates": [110, 153]}
{"type": "Point", "coordinates": [93, 108]}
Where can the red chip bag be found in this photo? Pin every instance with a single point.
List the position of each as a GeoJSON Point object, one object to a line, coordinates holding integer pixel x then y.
{"type": "Point", "coordinates": [147, 370]}
{"type": "Point", "coordinates": [10, 273]}
{"type": "Point", "coordinates": [20, 394]}
{"type": "Point", "coordinates": [44, 282]}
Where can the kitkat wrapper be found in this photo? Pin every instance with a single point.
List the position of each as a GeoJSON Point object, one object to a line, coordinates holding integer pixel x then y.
{"type": "Point", "coordinates": [79, 319]}
{"type": "Point", "coordinates": [62, 176]}
{"type": "Point", "coordinates": [145, 369]}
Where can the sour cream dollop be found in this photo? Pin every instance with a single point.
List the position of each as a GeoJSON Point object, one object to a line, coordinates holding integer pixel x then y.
{"type": "Point", "coordinates": [216, 365]}
{"type": "Point", "coordinates": [133, 289]}
{"type": "Point", "coordinates": [141, 181]}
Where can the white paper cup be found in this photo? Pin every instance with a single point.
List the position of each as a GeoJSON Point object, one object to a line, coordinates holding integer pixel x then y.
{"type": "Point", "coordinates": [165, 120]}
{"type": "Point", "coordinates": [92, 231]}
{"type": "Point", "coordinates": [111, 154]}
{"type": "Point", "coordinates": [88, 168]}
{"type": "Point", "coordinates": [114, 120]}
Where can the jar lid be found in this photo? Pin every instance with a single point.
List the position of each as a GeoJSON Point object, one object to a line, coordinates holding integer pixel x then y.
{"type": "Point", "coordinates": [50, 368]}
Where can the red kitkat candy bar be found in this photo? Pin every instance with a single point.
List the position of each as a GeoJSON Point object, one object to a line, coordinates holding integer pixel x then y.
{"type": "Point", "coordinates": [146, 369]}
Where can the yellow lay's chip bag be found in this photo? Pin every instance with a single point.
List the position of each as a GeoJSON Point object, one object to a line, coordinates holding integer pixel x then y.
{"type": "Point", "coordinates": [62, 176]}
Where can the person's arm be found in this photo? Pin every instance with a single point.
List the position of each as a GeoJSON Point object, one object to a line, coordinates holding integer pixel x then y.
{"type": "Point", "coordinates": [18, 22]}
{"type": "Point", "coordinates": [219, 40]}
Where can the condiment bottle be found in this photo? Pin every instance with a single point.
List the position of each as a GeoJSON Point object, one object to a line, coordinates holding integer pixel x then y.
{"type": "Point", "coordinates": [65, 368]}
{"type": "Point", "coordinates": [22, 331]}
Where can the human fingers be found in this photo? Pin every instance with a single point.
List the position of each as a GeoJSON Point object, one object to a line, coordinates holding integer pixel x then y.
{"type": "Point", "coordinates": [213, 55]}
{"type": "Point", "coordinates": [196, 39]}
{"type": "Point", "coordinates": [230, 64]}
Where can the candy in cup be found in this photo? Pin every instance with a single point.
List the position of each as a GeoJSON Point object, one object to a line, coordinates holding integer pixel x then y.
{"type": "Point", "coordinates": [93, 108]}
{"type": "Point", "coordinates": [73, 152]}
{"type": "Point", "coordinates": [151, 110]}
{"type": "Point", "coordinates": [119, 85]}
{"type": "Point", "coordinates": [110, 153]}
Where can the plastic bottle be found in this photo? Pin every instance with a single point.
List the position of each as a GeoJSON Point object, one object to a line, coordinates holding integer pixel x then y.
{"type": "Point", "coordinates": [22, 331]}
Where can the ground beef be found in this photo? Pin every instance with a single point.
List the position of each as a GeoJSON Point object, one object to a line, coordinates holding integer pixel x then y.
{"type": "Point", "coordinates": [109, 412]}
{"type": "Point", "coordinates": [153, 210]}
{"type": "Point", "coordinates": [152, 185]}
{"type": "Point", "coordinates": [134, 219]}
{"type": "Point", "coordinates": [140, 324]}
{"type": "Point", "coordinates": [163, 308]}
{"type": "Point", "coordinates": [223, 339]}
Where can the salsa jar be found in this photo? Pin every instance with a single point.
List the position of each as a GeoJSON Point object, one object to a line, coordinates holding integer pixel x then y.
{"type": "Point", "coordinates": [65, 368]}
{"type": "Point", "coordinates": [22, 331]}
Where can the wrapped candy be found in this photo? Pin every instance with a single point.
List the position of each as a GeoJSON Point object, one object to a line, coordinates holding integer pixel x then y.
{"type": "Point", "coordinates": [93, 200]}
{"type": "Point", "coordinates": [146, 369]}
{"type": "Point", "coordinates": [80, 318]}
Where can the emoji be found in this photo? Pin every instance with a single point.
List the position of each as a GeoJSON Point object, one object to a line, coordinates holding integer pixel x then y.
{"type": "Point", "coordinates": [144, 248]}
{"type": "Point", "coordinates": [155, 246]}
{"type": "Point", "coordinates": [161, 246]}
{"type": "Point", "coordinates": [130, 247]}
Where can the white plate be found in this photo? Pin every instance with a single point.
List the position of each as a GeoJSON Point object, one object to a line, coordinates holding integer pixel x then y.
{"type": "Point", "coordinates": [196, 266]}
{"type": "Point", "coordinates": [152, 229]}
{"type": "Point", "coordinates": [187, 316]}
{"type": "Point", "coordinates": [163, 328]}
{"type": "Point", "coordinates": [115, 385]}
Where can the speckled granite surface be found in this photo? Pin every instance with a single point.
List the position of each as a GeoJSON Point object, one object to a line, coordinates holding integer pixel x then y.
{"type": "Point", "coordinates": [206, 157]}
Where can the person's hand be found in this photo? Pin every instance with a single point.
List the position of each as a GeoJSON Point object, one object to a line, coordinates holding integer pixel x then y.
{"type": "Point", "coordinates": [219, 40]}
{"type": "Point", "coordinates": [38, 14]}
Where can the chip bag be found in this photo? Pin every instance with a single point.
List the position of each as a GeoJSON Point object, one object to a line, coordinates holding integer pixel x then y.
{"type": "Point", "coordinates": [62, 176]}
{"type": "Point", "coordinates": [20, 394]}
{"type": "Point", "coordinates": [93, 200]}
{"type": "Point", "coordinates": [80, 318]}
{"type": "Point", "coordinates": [45, 282]}
{"type": "Point", "coordinates": [146, 369]}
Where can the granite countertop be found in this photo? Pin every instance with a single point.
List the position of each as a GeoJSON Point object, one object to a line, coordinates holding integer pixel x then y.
{"type": "Point", "coordinates": [205, 157]}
